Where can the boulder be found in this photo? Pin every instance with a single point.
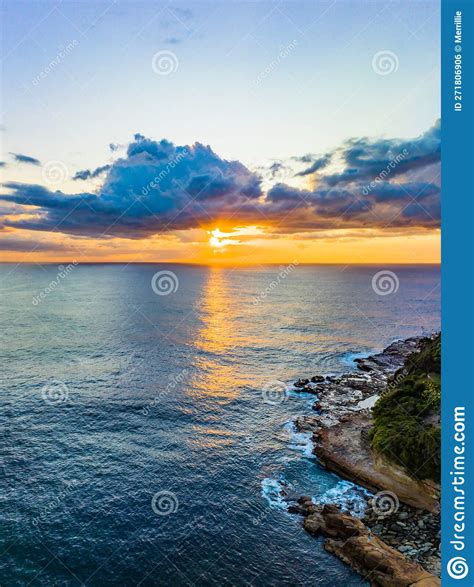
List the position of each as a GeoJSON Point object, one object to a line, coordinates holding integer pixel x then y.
{"type": "Point", "coordinates": [307, 423]}
{"type": "Point", "coordinates": [380, 563]}
{"type": "Point", "coordinates": [350, 540]}
{"type": "Point", "coordinates": [317, 379]}
{"type": "Point", "coordinates": [331, 522]}
{"type": "Point", "coordinates": [301, 382]}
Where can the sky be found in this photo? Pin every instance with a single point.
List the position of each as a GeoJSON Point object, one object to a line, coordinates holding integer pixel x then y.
{"type": "Point", "coordinates": [220, 132]}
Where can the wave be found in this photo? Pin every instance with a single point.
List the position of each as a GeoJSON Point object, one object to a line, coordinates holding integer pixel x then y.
{"type": "Point", "coordinates": [351, 497]}
{"type": "Point", "coordinates": [300, 441]}
{"type": "Point", "coordinates": [275, 491]}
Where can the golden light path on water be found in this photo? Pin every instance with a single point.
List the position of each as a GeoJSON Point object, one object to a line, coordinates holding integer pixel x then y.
{"type": "Point", "coordinates": [217, 336]}
{"type": "Point", "coordinates": [218, 374]}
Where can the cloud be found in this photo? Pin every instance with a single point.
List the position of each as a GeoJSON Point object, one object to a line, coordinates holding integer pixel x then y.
{"type": "Point", "coordinates": [19, 158]}
{"type": "Point", "coordinates": [367, 159]}
{"type": "Point", "coordinates": [91, 173]}
{"type": "Point", "coordinates": [21, 244]}
{"type": "Point", "coordinates": [157, 187]}
{"type": "Point", "coordinates": [316, 165]}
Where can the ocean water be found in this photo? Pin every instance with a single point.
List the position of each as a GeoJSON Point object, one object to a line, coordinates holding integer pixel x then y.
{"type": "Point", "coordinates": [147, 439]}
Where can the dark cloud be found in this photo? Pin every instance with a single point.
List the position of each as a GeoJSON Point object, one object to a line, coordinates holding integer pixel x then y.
{"type": "Point", "coordinates": [276, 168]}
{"type": "Point", "coordinates": [316, 165]}
{"type": "Point", "coordinates": [423, 214]}
{"type": "Point", "coordinates": [386, 191]}
{"type": "Point", "coordinates": [17, 243]}
{"type": "Point", "coordinates": [91, 173]}
{"type": "Point", "coordinates": [19, 158]}
{"type": "Point", "coordinates": [368, 159]}
{"type": "Point", "coordinates": [158, 186]}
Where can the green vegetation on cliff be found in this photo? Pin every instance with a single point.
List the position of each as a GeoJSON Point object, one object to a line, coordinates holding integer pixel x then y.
{"type": "Point", "coordinates": [406, 418]}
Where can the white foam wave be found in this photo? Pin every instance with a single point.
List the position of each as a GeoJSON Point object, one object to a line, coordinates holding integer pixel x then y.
{"type": "Point", "coordinates": [273, 491]}
{"type": "Point", "coordinates": [300, 441]}
{"type": "Point", "coordinates": [349, 496]}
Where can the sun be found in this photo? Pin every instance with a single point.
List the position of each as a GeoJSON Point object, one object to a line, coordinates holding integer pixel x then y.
{"type": "Point", "coordinates": [216, 238]}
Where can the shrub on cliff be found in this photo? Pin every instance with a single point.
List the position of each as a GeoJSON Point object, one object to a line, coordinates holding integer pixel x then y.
{"type": "Point", "coordinates": [406, 418]}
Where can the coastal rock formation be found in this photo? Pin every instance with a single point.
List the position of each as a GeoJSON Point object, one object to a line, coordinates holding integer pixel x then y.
{"type": "Point", "coordinates": [391, 358]}
{"type": "Point", "coordinates": [395, 548]}
{"type": "Point", "coordinates": [343, 421]}
{"type": "Point", "coordinates": [350, 540]}
{"type": "Point", "coordinates": [413, 532]}
{"type": "Point", "coordinates": [344, 449]}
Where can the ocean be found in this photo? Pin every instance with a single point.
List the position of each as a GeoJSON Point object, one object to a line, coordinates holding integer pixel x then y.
{"type": "Point", "coordinates": [147, 439]}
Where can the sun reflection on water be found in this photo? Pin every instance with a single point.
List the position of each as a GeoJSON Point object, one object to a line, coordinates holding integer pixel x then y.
{"type": "Point", "coordinates": [217, 339]}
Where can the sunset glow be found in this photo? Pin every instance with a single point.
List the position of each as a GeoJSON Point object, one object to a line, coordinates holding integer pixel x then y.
{"type": "Point", "coordinates": [216, 238]}
{"type": "Point", "coordinates": [256, 170]}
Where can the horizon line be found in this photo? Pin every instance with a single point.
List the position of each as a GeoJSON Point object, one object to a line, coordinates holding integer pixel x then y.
{"type": "Point", "coordinates": [61, 262]}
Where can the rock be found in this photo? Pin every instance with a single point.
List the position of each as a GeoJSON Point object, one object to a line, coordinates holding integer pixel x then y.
{"type": "Point", "coordinates": [309, 389]}
{"type": "Point", "coordinates": [330, 521]}
{"type": "Point", "coordinates": [317, 379]}
{"type": "Point", "coordinates": [296, 509]}
{"type": "Point", "coordinates": [304, 506]}
{"type": "Point", "coordinates": [377, 529]}
{"type": "Point", "coordinates": [333, 379]}
{"type": "Point", "coordinates": [390, 359]}
{"type": "Point", "coordinates": [301, 382]}
{"type": "Point", "coordinates": [350, 540]}
{"type": "Point", "coordinates": [305, 389]}
{"type": "Point", "coordinates": [307, 423]}
{"type": "Point", "coordinates": [340, 436]}
{"type": "Point", "coordinates": [305, 499]}
{"type": "Point", "coordinates": [342, 449]}
{"type": "Point", "coordinates": [380, 563]}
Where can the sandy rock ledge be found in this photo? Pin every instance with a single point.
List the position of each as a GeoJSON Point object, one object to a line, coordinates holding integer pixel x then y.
{"type": "Point", "coordinates": [349, 539]}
